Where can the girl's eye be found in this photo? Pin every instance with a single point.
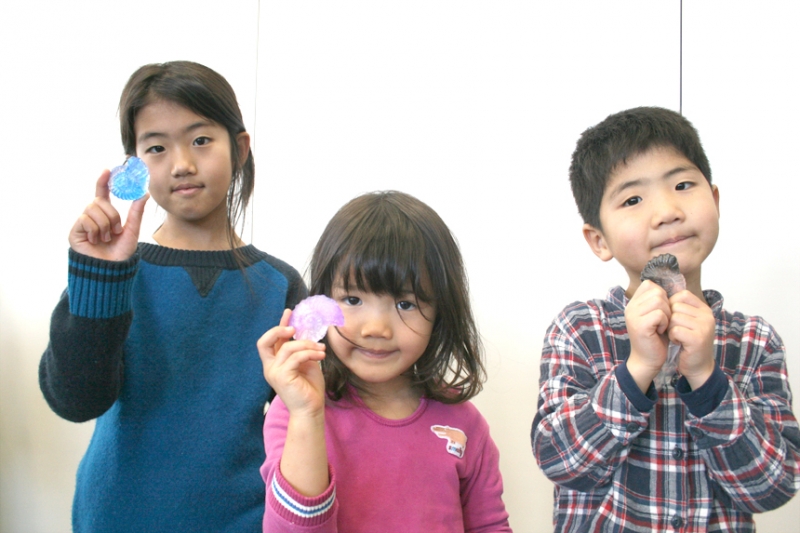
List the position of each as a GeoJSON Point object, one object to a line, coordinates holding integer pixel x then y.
{"type": "Point", "coordinates": [682, 186]}
{"type": "Point", "coordinates": [632, 201]}
{"type": "Point", "coordinates": [351, 300]}
{"type": "Point", "coordinates": [154, 150]}
{"type": "Point", "coordinates": [405, 305]}
{"type": "Point", "coordinates": [200, 141]}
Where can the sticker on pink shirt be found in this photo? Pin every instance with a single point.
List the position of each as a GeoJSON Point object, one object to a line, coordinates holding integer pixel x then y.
{"type": "Point", "coordinates": [456, 439]}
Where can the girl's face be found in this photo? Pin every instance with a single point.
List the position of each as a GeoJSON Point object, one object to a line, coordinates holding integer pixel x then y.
{"type": "Point", "coordinates": [189, 158]}
{"type": "Point", "coordinates": [382, 337]}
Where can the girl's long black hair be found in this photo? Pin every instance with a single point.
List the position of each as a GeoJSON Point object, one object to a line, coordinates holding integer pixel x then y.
{"type": "Point", "coordinates": [207, 94]}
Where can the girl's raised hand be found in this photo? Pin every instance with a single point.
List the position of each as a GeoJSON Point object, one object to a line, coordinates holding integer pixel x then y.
{"type": "Point", "coordinates": [99, 232]}
{"type": "Point", "coordinates": [292, 368]}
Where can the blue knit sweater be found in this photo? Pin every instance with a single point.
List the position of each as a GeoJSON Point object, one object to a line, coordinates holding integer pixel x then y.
{"type": "Point", "coordinates": [161, 349]}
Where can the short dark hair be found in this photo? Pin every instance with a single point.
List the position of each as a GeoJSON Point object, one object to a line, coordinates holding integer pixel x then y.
{"type": "Point", "coordinates": [207, 94]}
{"type": "Point", "coordinates": [384, 242]}
{"type": "Point", "coordinates": [621, 136]}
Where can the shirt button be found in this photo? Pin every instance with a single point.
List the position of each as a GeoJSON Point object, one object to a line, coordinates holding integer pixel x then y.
{"type": "Point", "coordinates": [676, 522]}
{"type": "Point", "coordinates": [677, 453]}
{"type": "Point", "coordinates": [632, 426]}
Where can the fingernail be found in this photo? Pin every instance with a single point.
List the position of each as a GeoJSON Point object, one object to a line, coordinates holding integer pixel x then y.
{"type": "Point", "coordinates": [118, 229]}
{"type": "Point", "coordinates": [106, 237]}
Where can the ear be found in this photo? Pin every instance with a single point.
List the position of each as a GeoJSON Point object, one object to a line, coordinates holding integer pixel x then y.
{"type": "Point", "coordinates": [715, 193]}
{"type": "Point", "coordinates": [597, 242]}
{"type": "Point", "coordinates": [243, 146]}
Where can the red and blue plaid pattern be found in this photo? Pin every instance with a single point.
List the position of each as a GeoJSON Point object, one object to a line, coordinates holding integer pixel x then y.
{"type": "Point", "coordinates": [674, 459]}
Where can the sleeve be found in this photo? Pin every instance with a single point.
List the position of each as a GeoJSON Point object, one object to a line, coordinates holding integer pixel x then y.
{"type": "Point", "coordinates": [585, 423]}
{"type": "Point", "coordinates": [751, 443]}
{"type": "Point", "coordinates": [286, 510]}
{"type": "Point", "coordinates": [296, 292]}
{"type": "Point", "coordinates": [296, 289]}
{"type": "Point", "coordinates": [80, 373]}
{"type": "Point", "coordinates": [482, 492]}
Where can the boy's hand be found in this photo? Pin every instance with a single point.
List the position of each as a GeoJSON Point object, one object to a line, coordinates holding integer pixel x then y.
{"type": "Point", "coordinates": [99, 233]}
{"type": "Point", "coordinates": [647, 317]}
{"type": "Point", "coordinates": [693, 327]}
{"type": "Point", "coordinates": [292, 369]}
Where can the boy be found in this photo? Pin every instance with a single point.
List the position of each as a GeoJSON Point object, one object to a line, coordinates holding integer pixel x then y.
{"type": "Point", "coordinates": [716, 442]}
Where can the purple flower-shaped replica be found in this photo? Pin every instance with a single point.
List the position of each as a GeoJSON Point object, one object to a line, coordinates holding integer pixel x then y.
{"type": "Point", "coordinates": [311, 317]}
{"type": "Point", "coordinates": [130, 180]}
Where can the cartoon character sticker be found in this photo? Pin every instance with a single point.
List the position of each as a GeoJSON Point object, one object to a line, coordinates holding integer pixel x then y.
{"type": "Point", "coordinates": [456, 439]}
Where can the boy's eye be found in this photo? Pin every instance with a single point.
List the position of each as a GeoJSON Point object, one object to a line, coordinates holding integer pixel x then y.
{"type": "Point", "coordinates": [632, 201]}
{"type": "Point", "coordinates": [405, 305]}
{"type": "Point", "coordinates": [154, 150]}
{"type": "Point", "coordinates": [200, 141]}
{"type": "Point", "coordinates": [682, 186]}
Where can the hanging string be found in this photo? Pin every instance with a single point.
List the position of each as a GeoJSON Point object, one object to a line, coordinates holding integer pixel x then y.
{"type": "Point", "coordinates": [680, 75]}
{"type": "Point", "coordinates": [255, 113]}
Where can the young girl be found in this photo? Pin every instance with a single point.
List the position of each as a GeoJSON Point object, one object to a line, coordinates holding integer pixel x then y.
{"type": "Point", "coordinates": [158, 342]}
{"type": "Point", "coordinates": [380, 436]}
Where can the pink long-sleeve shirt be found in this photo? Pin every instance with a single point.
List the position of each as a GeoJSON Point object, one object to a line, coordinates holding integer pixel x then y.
{"type": "Point", "coordinates": [436, 471]}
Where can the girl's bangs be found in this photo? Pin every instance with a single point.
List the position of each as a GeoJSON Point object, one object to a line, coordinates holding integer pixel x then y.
{"type": "Point", "coordinates": [391, 263]}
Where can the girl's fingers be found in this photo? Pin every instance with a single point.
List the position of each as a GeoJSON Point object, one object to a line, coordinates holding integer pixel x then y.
{"type": "Point", "coordinates": [283, 323]}
{"type": "Point", "coordinates": [298, 358]}
{"type": "Point", "coordinates": [105, 219]}
{"type": "Point", "coordinates": [283, 358]}
{"type": "Point", "coordinates": [101, 187]}
{"type": "Point", "coordinates": [294, 353]}
{"type": "Point", "coordinates": [290, 349]}
{"type": "Point", "coordinates": [267, 343]}
{"type": "Point", "coordinates": [287, 314]}
{"type": "Point", "coordinates": [134, 221]}
{"type": "Point", "coordinates": [86, 226]}
{"type": "Point", "coordinates": [287, 364]}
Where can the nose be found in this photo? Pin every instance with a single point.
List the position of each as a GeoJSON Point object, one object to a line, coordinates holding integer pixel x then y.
{"type": "Point", "coordinates": [666, 210]}
{"type": "Point", "coordinates": [378, 324]}
{"type": "Point", "coordinates": [182, 163]}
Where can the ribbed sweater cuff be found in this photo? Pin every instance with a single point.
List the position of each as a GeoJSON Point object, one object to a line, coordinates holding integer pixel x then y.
{"type": "Point", "coordinates": [707, 397]}
{"type": "Point", "coordinates": [298, 509]}
{"type": "Point", "coordinates": [99, 288]}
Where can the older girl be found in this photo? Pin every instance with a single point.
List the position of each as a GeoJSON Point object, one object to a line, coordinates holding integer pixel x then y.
{"type": "Point", "coordinates": [157, 341]}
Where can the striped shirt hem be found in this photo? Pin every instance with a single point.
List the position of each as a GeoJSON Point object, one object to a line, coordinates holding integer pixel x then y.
{"type": "Point", "coordinates": [297, 508]}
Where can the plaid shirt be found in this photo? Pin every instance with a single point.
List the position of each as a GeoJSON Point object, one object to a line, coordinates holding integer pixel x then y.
{"type": "Point", "coordinates": [672, 459]}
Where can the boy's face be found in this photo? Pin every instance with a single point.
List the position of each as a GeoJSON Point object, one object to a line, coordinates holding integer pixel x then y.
{"type": "Point", "coordinates": [657, 203]}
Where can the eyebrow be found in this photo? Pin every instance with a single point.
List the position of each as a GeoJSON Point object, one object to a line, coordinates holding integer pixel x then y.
{"type": "Point", "coordinates": [157, 134]}
{"type": "Point", "coordinates": [622, 187]}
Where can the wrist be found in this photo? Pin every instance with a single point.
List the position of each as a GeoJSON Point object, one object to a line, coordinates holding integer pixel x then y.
{"type": "Point", "coordinates": [304, 463]}
{"type": "Point", "coordinates": [698, 379]}
{"type": "Point", "coordinates": [307, 422]}
{"type": "Point", "coordinates": [641, 373]}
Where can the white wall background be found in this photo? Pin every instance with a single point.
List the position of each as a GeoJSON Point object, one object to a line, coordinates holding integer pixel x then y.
{"type": "Point", "coordinates": [474, 107]}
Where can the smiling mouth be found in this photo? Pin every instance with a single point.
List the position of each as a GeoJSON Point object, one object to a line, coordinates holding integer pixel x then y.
{"type": "Point", "coordinates": [670, 242]}
{"type": "Point", "coordinates": [377, 354]}
{"type": "Point", "coordinates": [186, 187]}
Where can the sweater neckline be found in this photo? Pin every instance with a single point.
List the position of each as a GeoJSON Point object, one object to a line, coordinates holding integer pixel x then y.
{"type": "Point", "coordinates": [356, 400]}
{"type": "Point", "coordinates": [224, 259]}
